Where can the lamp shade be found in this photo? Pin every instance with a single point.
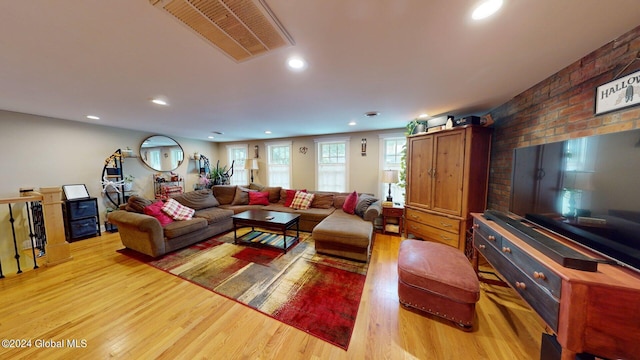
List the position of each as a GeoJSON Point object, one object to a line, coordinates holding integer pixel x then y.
{"type": "Point", "coordinates": [390, 176]}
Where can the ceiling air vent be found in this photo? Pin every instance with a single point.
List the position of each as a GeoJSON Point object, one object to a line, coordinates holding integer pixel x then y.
{"type": "Point", "coordinates": [242, 29]}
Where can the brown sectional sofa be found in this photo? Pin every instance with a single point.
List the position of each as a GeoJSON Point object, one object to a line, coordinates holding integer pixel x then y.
{"type": "Point", "coordinates": [335, 232]}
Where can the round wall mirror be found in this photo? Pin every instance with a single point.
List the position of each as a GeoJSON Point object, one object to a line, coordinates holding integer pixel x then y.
{"type": "Point", "coordinates": [161, 153]}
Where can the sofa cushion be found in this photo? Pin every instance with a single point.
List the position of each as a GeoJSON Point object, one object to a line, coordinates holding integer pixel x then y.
{"type": "Point", "coordinates": [274, 193]}
{"type": "Point", "coordinates": [224, 193]}
{"type": "Point", "coordinates": [254, 186]}
{"type": "Point", "coordinates": [322, 200]}
{"type": "Point", "coordinates": [137, 204]}
{"type": "Point", "coordinates": [198, 199]}
{"type": "Point", "coordinates": [350, 203]}
{"type": "Point", "coordinates": [364, 201]}
{"type": "Point", "coordinates": [177, 211]}
{"type": "Point", "coordinates": [214, 214]}
{"type": "Point", "coordinates": [179, 228]}
{"type": "Point", "coordinates": [258, 198]}
{"type": "Point", "coordinates": [242, 196]}
{"type": "Point", "coordinates": [302, 200]}
{"type": "Point", "coordinates": [155, 210]}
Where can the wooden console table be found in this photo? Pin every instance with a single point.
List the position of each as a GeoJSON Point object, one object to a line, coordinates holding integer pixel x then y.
{"type": "Point", "coordinates": [590, 312]}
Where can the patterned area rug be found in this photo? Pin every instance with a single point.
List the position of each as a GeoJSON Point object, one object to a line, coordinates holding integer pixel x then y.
{"type": "Point", "coordinates": [315, 293]}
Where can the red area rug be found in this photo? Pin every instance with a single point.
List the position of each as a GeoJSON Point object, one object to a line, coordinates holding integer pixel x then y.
{"type": "Point", "coordinates": [315, 293]}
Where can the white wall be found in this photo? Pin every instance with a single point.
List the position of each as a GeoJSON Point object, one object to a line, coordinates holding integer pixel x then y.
{"type": "Point", "coordinates": [38, 151]}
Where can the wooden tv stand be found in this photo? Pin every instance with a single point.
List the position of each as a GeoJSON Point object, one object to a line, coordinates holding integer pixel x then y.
{"type": "Point", "coordinates": [591, 312]}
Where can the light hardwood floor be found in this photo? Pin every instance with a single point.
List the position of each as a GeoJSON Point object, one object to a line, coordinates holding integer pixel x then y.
{"type": "Point", "coordinates": [125, 309]}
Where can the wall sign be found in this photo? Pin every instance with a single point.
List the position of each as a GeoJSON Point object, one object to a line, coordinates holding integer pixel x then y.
{"type": "Point", "coordinates": [618, 94]}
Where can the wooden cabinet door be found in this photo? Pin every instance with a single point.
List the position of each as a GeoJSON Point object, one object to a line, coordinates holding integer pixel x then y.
{"type": "Point", "coordinates": [419, 180]}
{"type": "Point", "coordinates": [448, 172]}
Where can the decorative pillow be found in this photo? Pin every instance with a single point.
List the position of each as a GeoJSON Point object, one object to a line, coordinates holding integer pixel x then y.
{"type": "Point", "coordinates": [137, 204]}
{"type": "Point", "coordinates": [155, 210]}
{"type": "Point", "coordinates": [302, 200]}
{"type": "Point", "coordinates": [254, 186]}
{"type": "Point", "coordinates": [258, 198]}
{"type": "Point", "coordinates": [322, 201]}
{"type": "Point", "coordinates": [364, 201]}
{"type": "Point", "coordinates": [289, 195]}
{"type": "Point", "coordinates": [242, 196]}
{"type": "Point", "coordinates": [350, 203]}
{"type": "Point", "coordinates": [177, 211]}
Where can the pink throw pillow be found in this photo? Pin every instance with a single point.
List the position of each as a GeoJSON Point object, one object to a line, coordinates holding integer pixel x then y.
{"type": "Point", "coordinates": [350, 203]}
{"type": "Point", "coordinates": [155, 210]}
{"type": "Point", "coordinates": [258, 198]}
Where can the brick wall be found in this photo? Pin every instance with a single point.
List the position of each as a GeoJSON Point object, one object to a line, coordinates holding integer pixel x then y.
{"type": "Point", "coordinates": [561, 107]}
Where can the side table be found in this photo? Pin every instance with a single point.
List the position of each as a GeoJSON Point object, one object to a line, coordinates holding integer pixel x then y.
{"type": "Point", "coordinates": [392, 212]}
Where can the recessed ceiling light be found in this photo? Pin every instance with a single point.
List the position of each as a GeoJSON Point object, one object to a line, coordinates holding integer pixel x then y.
{"type": "Point", "coordinates": [352, 123]}
{"type": "Point", "coordinates": [93, 117]}
{"type": "Point", "coordinates": [371, 113]}
{"type": "Point", "coordinates": [267, 132]}
{"type": "Point", "coordinates": [296, 63]}
{"type": "Point", "coordinates": [486, 9]}
{"type": "Point", "coordinates": [422, 116]}
{"type": "Point", "coordinates": [210, 137]}
{"type": "Point", "coordinates": [159, 101]}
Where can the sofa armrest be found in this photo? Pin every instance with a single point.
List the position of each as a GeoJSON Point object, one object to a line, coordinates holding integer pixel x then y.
{"type": "Point", "coordinates": [373, 211]}
{"type": "Point", "coordinates": [139, 232]}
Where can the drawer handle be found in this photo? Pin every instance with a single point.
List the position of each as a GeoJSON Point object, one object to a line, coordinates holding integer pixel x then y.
{"type": "Point", "coordinates": [521, 285]}
{"type": "Point", "coordinates": [492, 238]}
{"type": "Point", "coordinates": [414, 216]}
{"type": "Point", "coordinates": [506, 249]}
{"type": "Point", "coordinates": [414, 227]}
{"type": "Point", "coordinates": [476, 226]}
{"type": "Point", "coordinates": [481, 247]}
{"type": "Point", "coordinates": [443, 237]}
{"type": "Point", "coordinates": [445, 224]}
{"type": "Point", "coordinates": [539, 275]}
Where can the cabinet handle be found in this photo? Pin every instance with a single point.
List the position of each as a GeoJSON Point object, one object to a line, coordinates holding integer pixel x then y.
{"type": "Point", "coordinates": [539, 275]}
{"type": "Point", "coordinates": [521, 285]}
{"type": "Point", "coordinates": [492, 238]}
{"type": "Point", "coordinates": [414, 216]}
{"type": "Point", "coordinates": [481, 247]}
{"type": "Point", "coordinates": [506, 249]}
{"type": "Point", "coordinates": [445, 224]}
{"type": "Point", "coordinates": [413, 227]}
{"type": "Point", "coordinates": [443, 237]}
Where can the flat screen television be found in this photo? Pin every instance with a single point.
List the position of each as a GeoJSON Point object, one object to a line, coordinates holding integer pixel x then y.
{"type": "Point", "coordinates": [586, 189]}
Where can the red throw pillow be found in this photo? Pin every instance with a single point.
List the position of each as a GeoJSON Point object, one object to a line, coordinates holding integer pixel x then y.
{"type": "Point", "coordinates": [258, 198]}
{"type": "Point", "coordinates": [290, 195]}
{"type": "Point", "coordinates": [155, 210]}
{"type": "Point", "coordinates": [350, 203]}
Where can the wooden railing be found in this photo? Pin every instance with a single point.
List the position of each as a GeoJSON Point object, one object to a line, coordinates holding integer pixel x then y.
{"type": "Point", "coordinates": [47, 203]}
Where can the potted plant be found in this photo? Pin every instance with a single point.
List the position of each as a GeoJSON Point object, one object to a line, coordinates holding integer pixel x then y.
{"type": "Point", "coordinates": [416, 126]}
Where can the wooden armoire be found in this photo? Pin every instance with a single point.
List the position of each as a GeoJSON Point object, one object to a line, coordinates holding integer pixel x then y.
{"type": "Point", "coordinates": [447, 178]}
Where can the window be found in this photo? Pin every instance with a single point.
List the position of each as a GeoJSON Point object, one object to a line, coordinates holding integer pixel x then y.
{"type": "Point", "coordinates": [391, 158]}
{"type": "Point", "coordinates": [279, 164]}
{"type": "Point", "coordinates": [332, 165]}
{"type": "Point", "coordinates": [238, 153]}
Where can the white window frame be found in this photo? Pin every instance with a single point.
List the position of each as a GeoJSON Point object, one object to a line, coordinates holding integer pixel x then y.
{"type": "Point", "coordinates": [240, 174]}
{"type": "Point", "coordinates": [397, 192]}
{"type": "Point", "coordinates": [274, 169]}
{"type": "Point", "coordinates": [345, 167]}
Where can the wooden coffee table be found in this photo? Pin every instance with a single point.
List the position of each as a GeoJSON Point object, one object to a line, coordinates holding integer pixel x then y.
{"type": "Point", "coordinates": [270, 220]}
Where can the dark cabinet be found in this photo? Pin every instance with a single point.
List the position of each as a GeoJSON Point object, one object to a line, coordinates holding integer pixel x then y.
{"type": "Point", "coordinates": [81, 218]}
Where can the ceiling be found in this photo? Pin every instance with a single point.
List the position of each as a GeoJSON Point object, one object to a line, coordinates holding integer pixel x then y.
{"type": "Point", "coordinates": [68, 59]}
